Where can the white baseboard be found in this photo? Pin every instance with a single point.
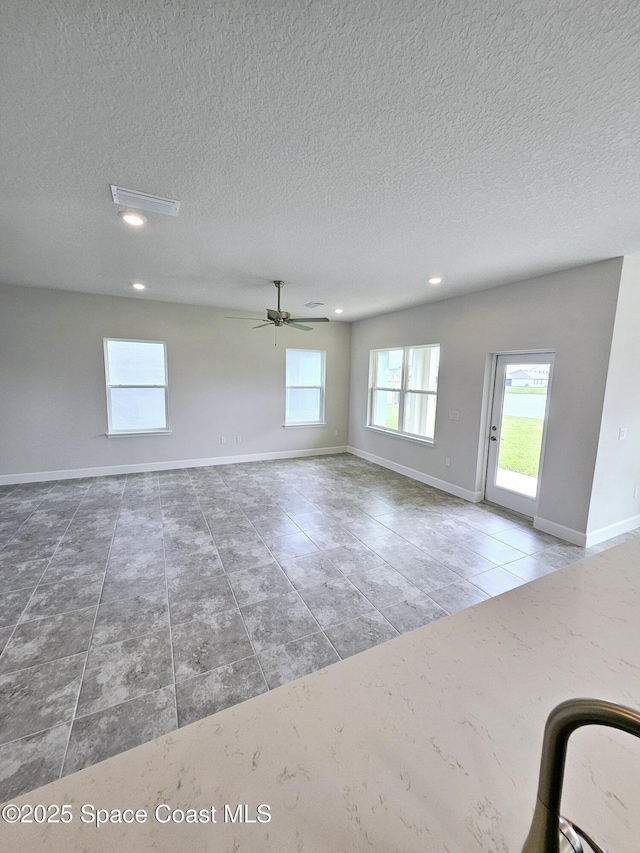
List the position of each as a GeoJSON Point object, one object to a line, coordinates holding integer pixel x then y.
{"type": "Point", "coordinates": [601, 534]}
{"type": "Point", "coordinates": [77, 473]}
{"type": "Point", "coordinates": [443, 485]}
{"type": "Point", "coordinates": [576, 537]}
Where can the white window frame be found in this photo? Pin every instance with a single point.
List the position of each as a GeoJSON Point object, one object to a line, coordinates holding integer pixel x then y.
{"type": "Point", "coordinates": [114, 433]}
{"type": "Point", "coordinates": [401, 391]}
{"type": "Point", "coordinates": [321, 388]}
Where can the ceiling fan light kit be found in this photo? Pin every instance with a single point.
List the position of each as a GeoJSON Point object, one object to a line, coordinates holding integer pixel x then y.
{"type": "Point", "coordinates": [278, 318]}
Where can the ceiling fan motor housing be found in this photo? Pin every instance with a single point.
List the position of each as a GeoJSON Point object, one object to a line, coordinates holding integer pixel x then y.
{"type": "Point", "coordinates": [278, 317]}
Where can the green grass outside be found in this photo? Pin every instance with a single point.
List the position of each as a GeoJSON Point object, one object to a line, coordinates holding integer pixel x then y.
{"type": "Point", "coordinates": [520, 444]}
{"type": "Point", "coordinates": [391, 419]}
{"type": "Point", "coordinates": [538, 390]}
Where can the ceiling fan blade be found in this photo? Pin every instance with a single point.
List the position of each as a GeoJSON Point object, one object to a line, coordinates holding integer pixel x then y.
{"type": "Point", "coordinates": [309, 319]}
{"type": "Point", "coordinates": [255, 319]}
{"type": "Point", "coordinates": [261, 325]}
{"type": "Point", "coordinates": [298, 326]}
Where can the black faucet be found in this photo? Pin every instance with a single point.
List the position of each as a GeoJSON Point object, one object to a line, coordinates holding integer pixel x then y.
{"type": "Point", "coordinates": [550, 833]}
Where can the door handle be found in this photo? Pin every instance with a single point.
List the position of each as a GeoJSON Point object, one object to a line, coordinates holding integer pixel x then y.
{"type": "Point", "coordinates": [493, 438]}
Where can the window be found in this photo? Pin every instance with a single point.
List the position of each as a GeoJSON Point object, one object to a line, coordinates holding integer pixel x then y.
{"type": "Point", "coordinates": [136, 374]}
{"type": "Point", "coordinates": [402, 390]}
{"type": "Point", "coordinates": [305, 387]}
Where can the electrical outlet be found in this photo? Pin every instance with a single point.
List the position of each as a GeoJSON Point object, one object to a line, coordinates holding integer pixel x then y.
{"type": "Point", "coordinates": [454, 416]}
{"type": "Point", "coordinates": [447, 462]}
{"type": "Point", "coordinates": [238, 439]}
{"type": "Point", "coordinates": [223, 439]}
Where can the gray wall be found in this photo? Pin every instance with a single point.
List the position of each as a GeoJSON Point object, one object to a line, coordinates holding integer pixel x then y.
{"type": "Point", "coordinates": [617, 472]}
{"type": "Point", "coordinates": [571, 312]}
{"type": "Point", "coordinates": [224, 379]}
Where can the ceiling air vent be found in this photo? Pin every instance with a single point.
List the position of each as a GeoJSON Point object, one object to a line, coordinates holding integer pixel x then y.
{"type": "Point", "coordinates": [313, 304]}
{"type": "Point", "coordinates": [145, 201]}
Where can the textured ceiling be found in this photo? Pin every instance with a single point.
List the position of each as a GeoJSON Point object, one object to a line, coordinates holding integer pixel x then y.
{"type": "Point", "coordinates": [350, 148]}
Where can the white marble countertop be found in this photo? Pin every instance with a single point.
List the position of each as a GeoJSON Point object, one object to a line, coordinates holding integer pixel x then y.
{"type": "Point", "coordinates": [430, 742]}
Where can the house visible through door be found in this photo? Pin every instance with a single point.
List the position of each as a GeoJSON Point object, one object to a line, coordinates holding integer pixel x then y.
{"type": "Point", "coordinates": [517, 430]}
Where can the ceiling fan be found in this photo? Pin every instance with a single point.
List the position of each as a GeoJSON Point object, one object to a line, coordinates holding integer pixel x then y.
{"type": "Point", "coordinates": [278, 317]}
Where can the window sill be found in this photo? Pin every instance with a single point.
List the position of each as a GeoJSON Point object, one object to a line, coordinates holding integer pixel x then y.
{"type": "Point", "coordinates": [138, 432]}
{"type": "Point", "coordinates": [430, 442]}
{"type": "Point", "coordinates": [297, 426]}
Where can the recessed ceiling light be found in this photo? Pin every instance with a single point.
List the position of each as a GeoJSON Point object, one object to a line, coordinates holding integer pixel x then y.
{"type": "Point", "coordinates": [138, 285]}
{"type": "Point", "coordinates": [337, 310]}
{"type": "Point", "coordinates": [135, 219]}
{"type": "Point", "coordinates": [435, 279]}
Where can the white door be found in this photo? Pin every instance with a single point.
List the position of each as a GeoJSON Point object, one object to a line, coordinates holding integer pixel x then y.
{"type": "Point", "coordinates": [517, 429]}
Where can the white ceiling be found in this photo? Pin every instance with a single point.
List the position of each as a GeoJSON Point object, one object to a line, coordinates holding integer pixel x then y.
{"type": "Point", "coordinates": [350, 147]}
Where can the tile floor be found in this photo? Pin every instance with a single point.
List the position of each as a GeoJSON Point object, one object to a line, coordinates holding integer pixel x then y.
{"type": "Point", "coordinates": [132, 605]}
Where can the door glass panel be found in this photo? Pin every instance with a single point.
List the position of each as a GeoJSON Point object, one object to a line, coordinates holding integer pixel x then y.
{"type": "Point", "coordinates": [521, 427]}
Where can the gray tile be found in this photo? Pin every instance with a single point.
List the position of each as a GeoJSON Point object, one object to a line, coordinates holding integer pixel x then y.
{"type": "Point", "coordinates": [5, 633]}
{"type": "Point", "coordinates": [188, 568]}
{"type": "Point", "coordinates": [413, 613]}
{"type": "Point", "coordinates": [531, 568]}
{"type": "Point", "coordinates": [496, 581]}
{"type": "Point", "coordinates": [80, 548]}
{"type": "Point", "coordinates": [454, 529]}
{"type": "Point", "coordinates": [120, 585]}
{"type": "Point", "coordinates": [310, 570]}
{"type": "Point", "coordinates": [277, 621]}
{"type": "Point", "coordinates": [143, 564]}
{"type": "Point", "coordinates": [219, 689]}
{"type": "Point", "coordinates": [353, 558]}
{"type": "Point", "coordinates": [292, 545]}
{"type": "Point", "coordinates": [106, 733]}
{"type": "Point", "coordinates": [32, 761]}
{"type": "Point", "coordinates": [564, 552]}
{"type": "Point", "coordinates": [350, 638]}
{"type": "Point", "coordinates": [383, 585]}
{"type": "Point", "coordinates": [25, 551]}
{"type": "Point", "coordinates": [493, 550]}
{"type": "Point", "coordinates": [205, 644]}
{"type": "Point", "coordinates": [488, 522]}
{"type": "Point", "coordinates": [12, 604]}
{"type": "Point", "coordinates": [21, 575]}
{"type": "Point", "coordinates": [39, 697]}
{"type": "Point", "coordinates": [298, 658]}
{"type": "Point", "coordinates": [428, 540]}
{"type": "Point", "coordinates": [200, 600]}
{"type": "Point", "coordinates": [239, 557]}
{"type": "Point", "coordinates": [458, 596]}
{"type": "Point", "coordinates": [130, 617]}
{"type": "Point", "coordinates": [63, 568]}
{"type": "Point", "coordinates": [257, 584]}
{"type": "Point", "coordinates": [270, 528]}
{"type": "Point", "coordinates": [526, 539]}
{"type": "Point", "coordinates": [315, 520]}
{"type": "Point", "coordinates": [368, 529]}
{"type": "Point", "coordinates": [425, 572]}
{"type": "Point", "coordinates": [117, 672]}
{"type": "Point", "coordinates": [48, 639]}
{"type": "Point", "coordinates": [56, 598]}
{"type": "Point", "coordinates": [462, 561]}
{"type": "Point", "coordinates": [335, 601]}
{"type": "Point", "coordinates": [233, 531]}
{"type": "Point", "coordinates": [332, 537]}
